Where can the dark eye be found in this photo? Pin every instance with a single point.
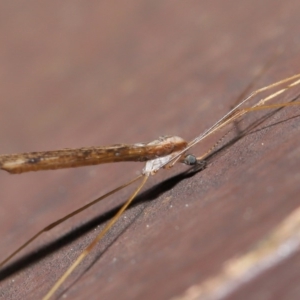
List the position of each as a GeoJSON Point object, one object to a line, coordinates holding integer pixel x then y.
{"type": "Point", "coordinates": [190, 160]}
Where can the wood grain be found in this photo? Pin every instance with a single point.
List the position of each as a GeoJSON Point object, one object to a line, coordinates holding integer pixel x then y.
{"type": "Point", "coordinates": [76, 74]}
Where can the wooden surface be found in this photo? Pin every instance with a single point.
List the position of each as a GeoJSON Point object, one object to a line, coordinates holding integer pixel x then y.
{"type": "Point", "coordinates": [77, 74]}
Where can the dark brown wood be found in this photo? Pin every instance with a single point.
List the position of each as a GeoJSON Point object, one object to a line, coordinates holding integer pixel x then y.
{"type": "Point", "coordinates": [78, 74]}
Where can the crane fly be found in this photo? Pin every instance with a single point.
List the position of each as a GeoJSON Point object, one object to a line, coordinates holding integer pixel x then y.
{"type": "Point", "coordinates": [162, 153]}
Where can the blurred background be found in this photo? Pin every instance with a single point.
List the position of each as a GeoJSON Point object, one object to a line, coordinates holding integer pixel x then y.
{"type": "Point", "coordinates": [78, 73]}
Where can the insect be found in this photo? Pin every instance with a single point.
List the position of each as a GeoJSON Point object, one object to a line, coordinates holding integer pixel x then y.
{"type": "Point", "coordinates": [162, 153]}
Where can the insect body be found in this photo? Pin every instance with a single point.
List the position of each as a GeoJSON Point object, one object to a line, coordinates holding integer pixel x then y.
{"type": "Point", "coordinates": [161, 153]}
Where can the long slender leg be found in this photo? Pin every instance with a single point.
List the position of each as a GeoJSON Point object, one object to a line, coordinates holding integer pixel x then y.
{"type": "Point", "coordinates": [89, 248]}
{"type": "Point", "coordinates": [258, 106]}
{"type": "Point", "coordinates": [57, 222]}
